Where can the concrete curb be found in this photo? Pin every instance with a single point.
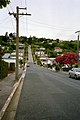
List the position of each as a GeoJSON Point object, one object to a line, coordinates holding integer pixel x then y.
{"type": "Point", "coordinates": [11, 95]}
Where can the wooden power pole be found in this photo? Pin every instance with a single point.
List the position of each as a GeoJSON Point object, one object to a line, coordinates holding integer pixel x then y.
{"type": "Point", "coordinates": [16, 15]}
{"type": "Point", "coordinates": [78, 47]}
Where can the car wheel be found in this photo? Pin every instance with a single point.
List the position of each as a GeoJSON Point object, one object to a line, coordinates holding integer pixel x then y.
{"type": "Point", "coordinates": [76, 77]}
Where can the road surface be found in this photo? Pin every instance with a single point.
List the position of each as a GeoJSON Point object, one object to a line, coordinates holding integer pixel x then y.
{"type": "Point", "coordinates": [45, 95]}
{"type": "Point", "coordinates": [30, 58]}
{"type": "Point", "coordinates": [48, 95]}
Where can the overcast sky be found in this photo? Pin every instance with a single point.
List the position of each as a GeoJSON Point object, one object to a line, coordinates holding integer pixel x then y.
{"type": "Point", "coordinates": [49, 18]}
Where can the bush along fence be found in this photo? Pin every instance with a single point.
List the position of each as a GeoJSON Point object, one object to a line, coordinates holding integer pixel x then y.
{"type": "Point", "coordinates": [3, 69]}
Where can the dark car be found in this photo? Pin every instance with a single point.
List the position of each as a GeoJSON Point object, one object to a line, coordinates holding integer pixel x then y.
{"type": "Point", "coordinates": [28, 65]}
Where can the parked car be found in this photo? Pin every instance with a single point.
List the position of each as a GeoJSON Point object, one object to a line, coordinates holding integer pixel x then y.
{"type": "Point", "coordinates": [74, 73]}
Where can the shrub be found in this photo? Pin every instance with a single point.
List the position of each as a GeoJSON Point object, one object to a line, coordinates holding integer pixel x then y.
{"type": "Point", "coordinates": [3, 69]}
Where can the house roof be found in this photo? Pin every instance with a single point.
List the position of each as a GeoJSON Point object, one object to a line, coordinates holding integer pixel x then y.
{"type": "Point", "coordinates": [14, 53]}
{"type": "Point", "coordinates": [6, 55]}
{"type": "Point", "coordinates": [10, 60]}
{"type": "Point", "coordinates": [46, 58]}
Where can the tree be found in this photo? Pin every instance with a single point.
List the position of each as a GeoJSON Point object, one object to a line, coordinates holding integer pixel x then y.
{"type": "Point", "coordinates": [57, 40]}
{"type": "Point", "coordinates": [11, 36]}
{"type": "Point", "coordinates": [3, 3]}
{"type": "Point", "coordinates": [1, 52]}
{"type": "Point", "coordinates": [30, 40]}
{"type": "Point", "coordinates": [68, 58]}
{"type": "Point", "coordinates": [5, 38]}
{"type": "Point", "coordinates": [68, 46]}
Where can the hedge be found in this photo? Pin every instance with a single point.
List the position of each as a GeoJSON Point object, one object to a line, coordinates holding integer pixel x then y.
{"type": "Point", "coordinates": [3, 69]}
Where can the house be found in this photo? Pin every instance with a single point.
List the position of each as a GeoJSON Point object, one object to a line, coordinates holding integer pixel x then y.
{"type": "Point", "coordinates": [6, 56]}
{"type": "Point", "coordinates": [57, 49]}
{"type": "Point", "coordinates": [11, 61]}
{"type": "Point", "coordinates": [21, 46]}
{"type": "Point", "coordinates": [40, 52]}
{"type": "Point", "coordinates": [21, 53]}
{"type": "Point", "coordinates": [13, 55]}
{"type": "Point", "coordinates": [46, 60]}
{"type": "Point", "coordinates": [50, 61]}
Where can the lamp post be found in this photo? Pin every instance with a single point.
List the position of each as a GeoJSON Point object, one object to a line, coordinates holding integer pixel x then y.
{"type": "Point", "coordinates": [78, 47]}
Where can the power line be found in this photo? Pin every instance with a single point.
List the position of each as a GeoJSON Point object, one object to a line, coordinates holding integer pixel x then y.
{"type": "Point", "coordinates": [26, 19]}
{"type": "Point", "coordinates": [48, 26]}
{"type": "Point", "coordinates": [25, 27]}
{"type": "Point", "coordinates": [26, 3]}
{"type": "Point", "coordinates": [21, 2]}
{"type": "Point", "coordinates": [11, 7]}
{"type": "Point", "coordinates": [11, 19]}
{"type": "Point", "coordinates": [4, 19]}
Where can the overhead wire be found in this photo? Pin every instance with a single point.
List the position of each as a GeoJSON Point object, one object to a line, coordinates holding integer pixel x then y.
{"type": "Point", "coordinates": [6, 20]}
{"type": "Point", "coordinates": [21, 26]}
{"type": "Point", "coordinates": [26, 27]}
{"type": "Point", "coordinates": [11, 7]}
{"type": "Point", "coordinates": [3, 19]}
{"type": "Point", "coordinates": [26, 3]}
{"type": "Point", "coordinates": [21, 2]}
{"type": "Point", "coordinates": [44, 26]}
{"type": "Point", "coordinates": [47, 25]}
{"type": "Point", "coordinates": [11, 18]}
{"type": "Point", "coordinates": [32, 22]}
{"type": "Point", "coordinates": [26, 19]}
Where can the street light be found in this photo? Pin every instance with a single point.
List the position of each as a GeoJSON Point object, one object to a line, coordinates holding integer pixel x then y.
{"type": "Point", "coordinates": [78, 47]}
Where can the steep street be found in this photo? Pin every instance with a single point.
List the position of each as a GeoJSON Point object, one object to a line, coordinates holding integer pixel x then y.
{"type": "Point", "coordinates": [45, 95]}
{"type": "Point", "coordinates": [48, 95]}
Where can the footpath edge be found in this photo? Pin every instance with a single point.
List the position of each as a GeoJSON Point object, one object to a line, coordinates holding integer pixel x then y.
{"type": "Point", "coordinates": [11, 95]}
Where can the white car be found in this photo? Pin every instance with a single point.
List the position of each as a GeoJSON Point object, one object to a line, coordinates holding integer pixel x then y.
{"type": "Point", "coordinates": [74, 73]}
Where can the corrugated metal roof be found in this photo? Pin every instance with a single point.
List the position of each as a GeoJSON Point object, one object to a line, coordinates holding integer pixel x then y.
{"type": "Point", "coordinates": [6, 55]}
{"type": "Point", "coordinates": [10, 60]}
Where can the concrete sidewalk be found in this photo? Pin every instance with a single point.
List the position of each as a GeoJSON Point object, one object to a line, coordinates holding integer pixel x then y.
{"type": "Point", "coordinates": [6, 87]}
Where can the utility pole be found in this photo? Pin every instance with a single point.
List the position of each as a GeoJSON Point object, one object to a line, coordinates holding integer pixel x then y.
{"type": "Point", "coordinates": [16, 15]}
{"type": "Point", "coordinates": [78, 47]}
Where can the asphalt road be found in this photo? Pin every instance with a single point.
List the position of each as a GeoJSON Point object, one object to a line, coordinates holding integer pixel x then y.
{"type": "Point", "coordinates": [48, 95]}
{"type": "Point", "coordinates": [30, 58]}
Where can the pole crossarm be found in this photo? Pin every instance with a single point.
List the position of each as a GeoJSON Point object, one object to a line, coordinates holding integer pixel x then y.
{"type": "Point", "coordinates": [24, 14]}
{"type": "Point", "coordinates": [23, 8]}
{"type": "Point", "coordinates": [19, 13]}
{"type": "Point", "coordinates": [77, 31]}
{"type": "Point", "coordinates": [15, 14]}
